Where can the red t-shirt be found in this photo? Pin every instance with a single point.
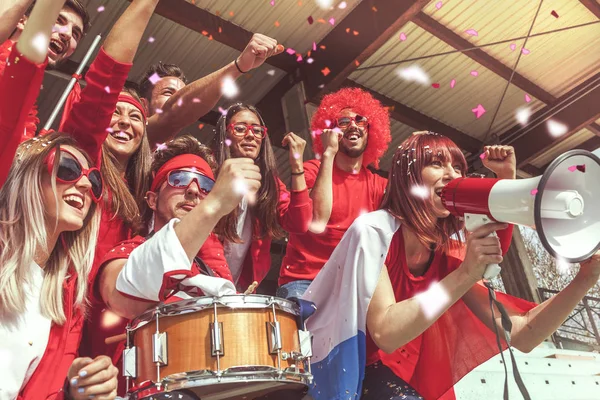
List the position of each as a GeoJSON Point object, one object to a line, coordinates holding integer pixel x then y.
{"type": "Point", "coordinates": [454, 344]}
{"type": "Point", "coordinates": [353, 195]}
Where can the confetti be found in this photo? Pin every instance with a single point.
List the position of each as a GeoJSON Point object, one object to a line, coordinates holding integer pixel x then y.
{"type": "Point", "coordinates": [403, 36]}
{"type": "Point", "coordinates": [154, 78]}
{"type": "Point", "coordinates": [325, 4]}
{"type": "Point", "coordinates": [433, 300]}
{"type": "Point", "coordinates": [414, 73]}
{"type": "Point", "coordinates": [314, 47]}
{"type": "Point", "coordinates": [525, 51]}
{"type": "Point", "coordinates": [150, 39]}
{"type": "Point", "coordinates": [438, 5]}
{"type": "Point", "coordinates": [272, 3]}
{"type": "Point", "coordinates": [201, 126]}
{"type": "Point", "coordinates": [332, 21]}
{"type": "Point", "coordinates": [482, 155]}
{"type": "Point", "coordinates": [158, 111]}
{"type": "Point", "coordinates": [554, 14]}
{"type": "Point", "coordinates": [195, 100]}
{"type": "Point", "coordinates": [474, 73]}
{"type": "Point", "coordinates": [229, 88]}
{"type": "Point", "coordinates": [40, 43]}
{"type": "Point", "coordinates": [325, 71]}
{"type": "Point", "coordinates": [277, 24]}
{"type": "Point", "coordinates": [299, 58]}
{"type": "Point", "coordinates": [513, 46]}
{"type": "Point", "coordinates": [342, 5]}
{"type": "Point", "coordinates": [479, 111]}
{"type": "Point", "coordinates": [556, 128]}
{"type": "Point", "coordinates": [271, 72]}
{"type": "Point", "coordinates": [327, 123]}
{"type": "Point", "coordinates": [284, 196]}
{"type": "Point", "coordinates": [101, 8]}
{"type": "Point", "coordinates": [527, 98]}
{"type": "Point", "coordinates": [472, 32]}
{"type": "Point", "coordinates": [523, 115]}
{"type": "Point", "coordinates": [452, 83]}
{"type": "Point", "coordinates": [310, 20]}
{"type": "Point", "coordinates": [534, 192]}
{"type": "Point", "coordinates": [420, 191]}
{"type": "Point", "coordinates": [107, 89]}
{"type": "Point", "coordinates": [562, 266]}
{"type": "Point", "coordinates": [290, 51]}
{"type": "Point", "coordinates": [179, 102]}
{"type": "Point", "coordinates": [580, 168]}
{"type": "Point", "coordinates": [222, 111]}
{"type": "Point", "coordinates": [227, 142]}
{"type": "Point", "coordinates": [435, 85]}
{"type": "Point", "coordinates": [296, 156]}
{"type": "Point", "coordinates": [309, 60]}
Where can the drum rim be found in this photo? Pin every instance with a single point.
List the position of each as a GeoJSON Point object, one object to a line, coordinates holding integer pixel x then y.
{"type": "Point", "coordinates": [239, 301]}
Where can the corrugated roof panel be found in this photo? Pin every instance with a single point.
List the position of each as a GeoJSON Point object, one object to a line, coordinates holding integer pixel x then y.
{"type": "Point", "coordinates": [292, 15]}
{"type": "Point", "coordinates": [563, 146]}
{"type": "Point", "coordinates": [453, 106]}
{"type": "Point", "coordinates": [399, 133]}
{"type": "Point", "coordinates": [556, 62]}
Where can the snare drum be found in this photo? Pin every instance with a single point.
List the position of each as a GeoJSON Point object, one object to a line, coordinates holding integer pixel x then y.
{"type": "Point", "coordinates": [237, 346]}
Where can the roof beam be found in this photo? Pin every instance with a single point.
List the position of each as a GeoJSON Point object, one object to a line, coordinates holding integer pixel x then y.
{"type": "Point", "coordinates": [415, 119]}
{"type": "Point", "coordinates": [376, 21]}
{"type": "Point", "coordinates": [582, 110]}
{"type": "Point", "coordinates": [449, 37]}
{"type": "Point", "coordinates": [589, 145]}
{"type": "Point", "coordinates": [222, 31]}
{"type": "Point", "coordinates": [593, 6]}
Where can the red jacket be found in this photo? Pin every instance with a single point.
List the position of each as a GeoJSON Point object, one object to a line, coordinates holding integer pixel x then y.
{"type": "Point", "coordinates": [295, 213]}
{"type": "Point", "coordinates": [20, 86]}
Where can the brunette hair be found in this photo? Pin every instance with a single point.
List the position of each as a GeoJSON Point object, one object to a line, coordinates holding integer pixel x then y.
{"type": "Point", "coordinates": [161, 70]}
{"type": "Point", "coordinates": [267, 198]}
{"type": "Point", "coordinates": [361, 102]}
{"type": "Point", "coordinates": [75, 5]}
{"type": "Point", "coordinates": [414, 154]}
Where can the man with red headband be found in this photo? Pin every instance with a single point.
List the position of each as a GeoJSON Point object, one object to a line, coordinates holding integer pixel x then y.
{"type": "Point", "coordinates": [351, 130]}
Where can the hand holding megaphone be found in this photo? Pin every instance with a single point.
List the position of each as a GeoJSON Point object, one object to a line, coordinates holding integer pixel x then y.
{"type": "Point", "coordinates": [483, 250]}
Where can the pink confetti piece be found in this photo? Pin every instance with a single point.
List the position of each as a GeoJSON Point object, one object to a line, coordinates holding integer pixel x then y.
{"type": "Point", "coordinates": [228, 142]}
{"type": "Point", "coordinates": [272, 3]}
{"type": "Point", "coordinates": [452, 83]}
{"type": "Point", "coordinates": [314, 46]}
{"type": "Point", "coordinates": [158, 111]}
{"type": "Point", "coordinates": [296, 156]}
{"type": "Point", "coordinates": [332, 21]}
{"type": "Point", "coordinates": [525, 51]}
{"type": "Point", "coordinates": [527, 98]}
{"type": "Point", "coordinates": [403, 36]}
{"type": "Point", "coordinates": [479, 111]}
{"type": "Point", "coordinates": [154, 78]}
{"type": "Point", "coordinates": [580, 168]}
{"type": "Point", "coordinates": [161, 147]}
{"type": "Point", "coordinates": [534, 192]}
{"type": "Point", "coordinates": [513, 46]}
{"type": "Point", "coordinates": [482, 155]}
{"type": "Point", "coordinates": [299, 58]}
{"type": "Point", "coordinates": [474, 73]}
{"type": "Point", "coordinates": [284, 196]}
{"type": "Point", "coordinates": [435, 85]}
{"type": "Point", "coordinates": [179, 102]}
{"type": "Point", "coordinates": [290, 51]}
{"type": "Point", "coordinates": [472, 32]}
{"type": "Point", "coordinates": [554, 14]}
{"type": "Point", "coordinates": [151, 39]}
{"type": "Point", "coordinates": [222, 111]}
{"type": "Point", "coordinates": [195, 100]}
{"type": "Point", "coordinates": [342, 5]}
{"type": "Point", "coordinates": [107, 89]}
{"type": "Point", "coordinates": [101, 8]}
{"type": "Point", "coordinates": [438, 5]}
{"type": "Point", "coordinates": [573, 168]}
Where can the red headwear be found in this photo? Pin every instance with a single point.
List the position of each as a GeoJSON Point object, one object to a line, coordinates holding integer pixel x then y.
{"type": "Point", "coordinates": [178, 162]}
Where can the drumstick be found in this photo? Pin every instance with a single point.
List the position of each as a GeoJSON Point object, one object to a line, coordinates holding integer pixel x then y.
{"type": "Point", "coordinates": [251, 288]}
{"type": "Point", "coordinates": [115, 339]}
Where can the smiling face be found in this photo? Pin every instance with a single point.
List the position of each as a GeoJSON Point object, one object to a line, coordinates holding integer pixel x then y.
{"type": "Point", "coordinates": [66, 34]}
{"type": "Point", "coordinates": [245, 144]}
{"type": "Point", "coordinates": [354, 141]}
{"type": "Point", "coordinates": [127, 131]}
{"type": "Point", "coordinates": [163, 90]}
{"type": "Point", "coordinates": [435, 176]}
{"type": "Point", "coordinates": [74, 199]}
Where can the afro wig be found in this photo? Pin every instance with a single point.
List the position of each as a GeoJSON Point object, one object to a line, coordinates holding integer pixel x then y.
{"type": "Point", "coordinates": [361, 102]}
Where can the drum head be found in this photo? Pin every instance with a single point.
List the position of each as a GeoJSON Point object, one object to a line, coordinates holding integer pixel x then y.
{"type": "Point", "coordinates": [238, 391]}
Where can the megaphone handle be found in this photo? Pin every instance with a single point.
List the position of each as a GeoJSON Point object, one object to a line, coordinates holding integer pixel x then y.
{"type": "Point", "coordinates": [474, 221]}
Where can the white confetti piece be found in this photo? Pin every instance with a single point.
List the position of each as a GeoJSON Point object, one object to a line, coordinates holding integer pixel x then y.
{"type": "Point", "coordinates": [556, 128]}
{"type": "Point", "coordinates": [228, 87]}
{"type": "Point", "coordinates": [414, 73]}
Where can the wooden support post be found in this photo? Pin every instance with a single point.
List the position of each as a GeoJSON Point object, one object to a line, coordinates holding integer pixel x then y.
{"type": "Point", "coordinates": [517, 271]}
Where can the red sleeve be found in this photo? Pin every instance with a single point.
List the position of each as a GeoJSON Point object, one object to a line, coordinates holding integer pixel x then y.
{"type": "Point", "coordinates": [311, 169]}
{"type": "Point", "coordinates": [19, 88]}
{"type": "Point", "coordinates": [90, 117]}
{"type": "Point", "coordinates": [213, 254]}
{"type": "Point", "coordinates": [295, 210]}
{"type": "Point", "coordinates": [505, 236]}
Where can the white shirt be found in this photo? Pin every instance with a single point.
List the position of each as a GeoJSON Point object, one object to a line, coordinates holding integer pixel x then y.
{"type": "Point", "coordinates": [235, 253]}
{"type": "Point", "coordinates": [23, 340]}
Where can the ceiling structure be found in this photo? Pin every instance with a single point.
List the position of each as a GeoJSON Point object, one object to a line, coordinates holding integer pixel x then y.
{"type": "Point", "coordinates": [528, 57]}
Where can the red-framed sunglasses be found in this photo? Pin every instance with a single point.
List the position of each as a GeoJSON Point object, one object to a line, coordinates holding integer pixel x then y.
{"type": "Point", "coordinates": [241, 129]}
{"type": "Point", "coordinates": [70, 170]}
{"type": "Point", "coordinates": [181, 179]}
{"type": "Point", "coordinates": [360, 121]}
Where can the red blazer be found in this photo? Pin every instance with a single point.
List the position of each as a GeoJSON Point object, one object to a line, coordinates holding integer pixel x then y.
{"type": "Point", "coordinates": [20, 86]}
{"type": "Point", "coordinates": [295, 213]}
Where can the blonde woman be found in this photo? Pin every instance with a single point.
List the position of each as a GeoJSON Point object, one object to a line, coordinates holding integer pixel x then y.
{"type": "Point", "coordinates": [48, 228]}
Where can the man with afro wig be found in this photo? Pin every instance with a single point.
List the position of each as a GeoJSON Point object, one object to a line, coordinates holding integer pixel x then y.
{"type": "Point", "coordinates": [350, 130]}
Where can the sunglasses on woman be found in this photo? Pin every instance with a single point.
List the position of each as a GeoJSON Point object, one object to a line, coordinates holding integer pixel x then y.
{"type": "Point", "coordinates": [70, 170]}
{"type": "Point", "coordinates": [181, 179]}
{"type": "Point", "coordinates": [359, 120]}
{"type": "Point", "coordinates": [241, 129]}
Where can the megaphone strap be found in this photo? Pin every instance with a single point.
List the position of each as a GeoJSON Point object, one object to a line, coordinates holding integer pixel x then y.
{"type": "Point", "coordinates": [506, 327]}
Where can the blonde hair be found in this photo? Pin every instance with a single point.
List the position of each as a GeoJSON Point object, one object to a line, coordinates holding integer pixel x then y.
{"type": "Point", "coordinates": [23, 236]}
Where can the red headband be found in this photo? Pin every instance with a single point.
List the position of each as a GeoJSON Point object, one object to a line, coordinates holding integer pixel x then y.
{"type": "Point", "coordinates": [178, 162]}
{"type": "Point", "coordinates": [131, 100]}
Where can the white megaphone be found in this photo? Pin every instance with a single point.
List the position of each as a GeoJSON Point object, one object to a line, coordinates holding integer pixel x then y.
{"type": "Point", "coordinates": [562, 205]}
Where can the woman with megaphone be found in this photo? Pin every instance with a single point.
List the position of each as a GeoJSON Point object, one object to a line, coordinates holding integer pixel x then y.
{"type": "Point", "coordinates": [418, 272]}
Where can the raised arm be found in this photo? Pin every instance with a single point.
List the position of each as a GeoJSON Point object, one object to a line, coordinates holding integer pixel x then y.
{"type": "Point", "coordinates": [181, 111]}
{"type": "Point", "coordinates": [392, 324]}
{"type": "Point", "coordinates": [22, 79]}
{"type": "Point", "coordinates": [11, 12]}
{"type": "Point", "coordinates": [91, 115]}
